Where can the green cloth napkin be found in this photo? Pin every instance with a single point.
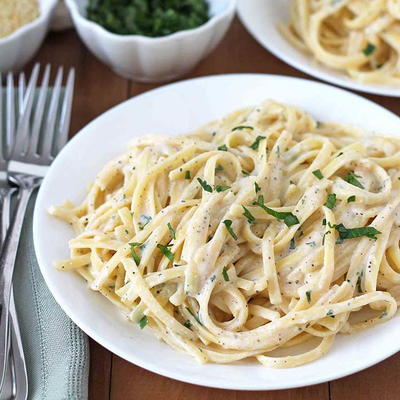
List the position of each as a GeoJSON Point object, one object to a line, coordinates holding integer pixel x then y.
{"type": "Point", "coordinates": [56, 350]}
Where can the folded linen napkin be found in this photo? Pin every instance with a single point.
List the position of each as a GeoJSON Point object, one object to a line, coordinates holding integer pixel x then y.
{"type": "Point", "coordinates": [56, 350]}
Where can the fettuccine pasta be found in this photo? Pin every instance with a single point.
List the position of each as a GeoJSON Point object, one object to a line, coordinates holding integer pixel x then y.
{"type": "Point", "coordinates": [359, 37]}
{"type": "Point", "coordinates": [259, 232]}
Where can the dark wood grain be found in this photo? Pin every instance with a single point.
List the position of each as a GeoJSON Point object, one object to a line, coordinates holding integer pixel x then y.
{"type": "Point", "coordinates": [131, 382]}
{"type": "Point", "coordinates": [98, 89]}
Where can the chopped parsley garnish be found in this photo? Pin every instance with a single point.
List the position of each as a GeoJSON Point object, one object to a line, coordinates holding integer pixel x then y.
{"type": "Point", "coordinates": [245, 173]}
{"type": "Point", "coordinates": [187, 175]}
{"type": "Point", "coordinates": [219, 168]}
{"type": "Point", "coordinates": [193, 315]}
{"type": "Point", "coordinates": [228, 226]}
{"type": "Point", "coordinates": [324, 221]}
{"type": "Point", "coordinates": [143, 322]}
{"type": "Point", "coordinates": [345, 233]}
{"type": "Point", "coordinates": [220, 188]}
{"type": "Point", "coordinates": [134, 255]}
{"type": "Point", "coordinates": [352, 179]}
{"type": "Point", "coordinates": [165, 250]}
{"type": "Point", "coordinates": [148, 18]}
{"type": "Point", "coordinates": [359, 288]}
{"type": "Point", "coordinates": [256, 143]}
{"type": "Point", "coordinates": [331, 202]}
{"type": "Point", "coordinates": [323, 237]}
{"type": "Point", "coordinates": [312, 244]}
{"type": "Point", "coordinates": [292, 245]}
{"type": "Point", "coordinates": [171, 231]}
{"type": "Point", "coordinates": [241, 127]}
{"type": "Point", "coordinates": [223, 148]}
{"type": "Point", "coordinates": [308, 294]}
{"type": "Point", "coordinates": [340, 154]}
{"type": "Point", "coordinates": [250, 217]}
{"type": "Point", "coordinates": [288, 218]}
{"type": "Point", "coordinates": [369, 49]}
{"type": "Point", "coordinates": [146, 219]}
{"type": "Point", "coordinates": [330, 314]}
{"type": "Point", "coordinates": [187, 324]}
{"type": "Point", "coordinates": [205, 185]}
{"type": "Point", "coordinates": [225, 275]}
{"type": "Point", "coordinates": [351, 199]}
{"type": "Point", "coordinates": [318, 174]}
{"type": "Point", "coordinates": [256, 187]}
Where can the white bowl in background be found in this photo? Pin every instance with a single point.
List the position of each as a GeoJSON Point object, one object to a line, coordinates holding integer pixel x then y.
{"type": "Point", "coordinates": [261, 18]}
{"type": "Point", "coordinates": [19, 47]}
{"type": "Point", "coordinates": [148, 59]}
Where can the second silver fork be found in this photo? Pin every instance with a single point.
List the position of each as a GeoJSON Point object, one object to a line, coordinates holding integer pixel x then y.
{"type": "Point", "coordinates": [15, 384]}
{"type": "Point", "coordinates": [41, 133]}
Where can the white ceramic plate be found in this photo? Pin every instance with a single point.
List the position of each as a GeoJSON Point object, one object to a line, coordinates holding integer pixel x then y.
{"type": "Point", "coordinates": [176, 109]}
{"type": "Point", "coordinates": [261, 18]}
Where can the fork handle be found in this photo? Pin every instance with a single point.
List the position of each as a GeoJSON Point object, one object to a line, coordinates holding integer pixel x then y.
{"type": "Point", "coordinates": [7, 262]}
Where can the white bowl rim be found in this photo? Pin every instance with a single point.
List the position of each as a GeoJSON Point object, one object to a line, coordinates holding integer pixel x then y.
{"type": "Point", "coordinates": [152, 367]}
{"type": "Point", "coordinates": [73, 8]}
{"type": "Point", "coordinates": [30, 25]}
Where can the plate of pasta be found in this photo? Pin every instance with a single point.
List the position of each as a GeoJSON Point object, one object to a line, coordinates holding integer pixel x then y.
{"type": "Point", "coordinates": [231, 231]}
{"type": "Point", "coordinates": [351, 43]}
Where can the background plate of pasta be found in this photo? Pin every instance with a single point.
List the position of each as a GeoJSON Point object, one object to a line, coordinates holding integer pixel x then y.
{"type": "Point", "coordinates": [230, 231]}
{"type": "Point", "coordinates": [351, 43]}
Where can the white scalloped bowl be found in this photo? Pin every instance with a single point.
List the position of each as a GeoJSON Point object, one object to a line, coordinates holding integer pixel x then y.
{"type": "Point", "coordinates": [19, 47]}
{"type": "Point", "coordinates": [147, 59]}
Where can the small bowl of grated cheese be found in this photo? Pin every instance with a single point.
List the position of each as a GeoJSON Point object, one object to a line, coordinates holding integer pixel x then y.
{"type": "Point", "coordinates": [23, 26]}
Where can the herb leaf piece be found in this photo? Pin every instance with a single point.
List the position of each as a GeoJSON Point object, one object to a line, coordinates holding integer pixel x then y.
{"type": "Point", "coordinates": [351, 199]}
{"type": "Point", "coordinates": [352, 179]}
{"type": "Point", "coordinates": [193, 315]}
{"type": "Point", "coordinates": [228, 226]}
{"type": "Point", "coordinates": [308, 295]}
{"type": "Point", "coordinates": [369, 49]}
{"type": "Point", "coordinates": [331, 201]}
{"type": "Point", "coordinates": [318, 174]}
{"type": "Point", "coordinates": [241, 127]}
{"type": "Point", "coordinates": [225, 275]}
{"type": "Point", "coordinates": [171, 231]}
{"type": "Point", "coordinates": [288, 218]}
{"type": "Point", "coordinates": [256, 143]}
{"type": "Point", "coordinates": [134, 255]}
{"type": "Point", "coordinates": [220, 188]}
{"type": "Point", "coordinates": [222, 148]}
{"type": "Point", "coordinates": [250, 217]}
{"type": "Point", "coordinates": [165, 250]}
{"type": "Point", "coordinates": [143, 322]}
{"type": "Point", "coordinates": [205, 185]}
{"type": "Point", "coordinates": [345, 233]}
{"type": "Point", "coordinates": [256, 187]}
{"type": "Point", "coordinates": [187, 175]}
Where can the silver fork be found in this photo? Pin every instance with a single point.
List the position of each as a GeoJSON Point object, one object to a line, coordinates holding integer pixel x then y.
{"type": "Point", "coordinates": [16, 381]}
{"type": "Point", "coordinates": [38, 138]}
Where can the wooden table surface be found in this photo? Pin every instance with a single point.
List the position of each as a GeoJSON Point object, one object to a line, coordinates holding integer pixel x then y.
{"type": "Point", "coordinates": [98, 89]}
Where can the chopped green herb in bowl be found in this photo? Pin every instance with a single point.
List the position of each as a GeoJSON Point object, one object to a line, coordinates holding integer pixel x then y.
{"type": "Point", "coordinates": [152, 18]}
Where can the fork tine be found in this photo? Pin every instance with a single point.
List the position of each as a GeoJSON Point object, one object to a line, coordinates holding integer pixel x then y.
{"type": "Point", "coordinates": [49, 131]}
{"type": "Point", "coordinates": [10, 105]}
{"type": "Point", "coordinates": [1, 117]}
{"type": "Point", "coordinates": [23, 123]}
{"type": "Point", "coordinates": [21, 93]}
{"type": "Point", "coordinates": [65, 118]}
{"type": "Point", "coordinates": [38, 117]}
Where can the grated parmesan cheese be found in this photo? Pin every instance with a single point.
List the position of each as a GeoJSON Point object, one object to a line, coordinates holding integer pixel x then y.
{"type": "Point", "coordinates": [16, 13]}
